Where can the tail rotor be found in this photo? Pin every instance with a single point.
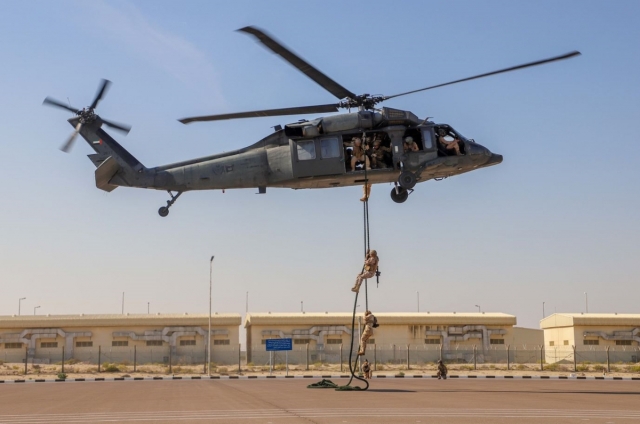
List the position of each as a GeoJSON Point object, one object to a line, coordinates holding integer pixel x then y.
{"type": "Point", "coordinates": [87, 115]}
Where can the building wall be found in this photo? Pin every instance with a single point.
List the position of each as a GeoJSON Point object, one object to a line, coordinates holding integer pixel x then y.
{"type": "Point", "coordinates": [618, 333]}
{"type": "Point", "coordinates": [421, 333]}
{"type": "Point", "coordinates": [118, 339]}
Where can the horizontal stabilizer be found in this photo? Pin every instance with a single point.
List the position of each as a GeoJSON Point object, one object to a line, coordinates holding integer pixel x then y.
{"type": "Point", "coordinates": [105, 172]}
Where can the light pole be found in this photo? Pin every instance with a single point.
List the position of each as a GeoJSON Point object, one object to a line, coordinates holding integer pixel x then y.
{"type": "Point", "coordinates": [247, 304]}
{"type": "Point", "coordinates": [34, 309]}
{"type": "Point", "coordinates": [122, 303]}
{"type": "Point", "coordinates": [478, 306]}
{"type": "Point", "coordinates": [302, 306]}
{"type": "Point", "coordinates": [209, 341]}
{"type": "Point", "coordinates": [543, 315]}
{"type": "Point", "coordinates": [586, 302]}
{"type": "Point", "coordinates": [148, 308]}
{"type": "Point", "coordinates": [418, 294]}
{"type": "Point", "coordinates": [19, 301]}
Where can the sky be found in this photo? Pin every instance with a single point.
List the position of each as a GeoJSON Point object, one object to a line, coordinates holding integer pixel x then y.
{"type": "Point", "coordinates": [556, 219]}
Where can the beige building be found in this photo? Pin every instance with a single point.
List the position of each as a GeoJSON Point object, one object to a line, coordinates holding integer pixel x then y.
{"type": "Point", "coordinates": [325, 335]}
{"type": "Point", "coordinates": [591, 335]}
{"type": "Point", "coordinates": [118, 338]}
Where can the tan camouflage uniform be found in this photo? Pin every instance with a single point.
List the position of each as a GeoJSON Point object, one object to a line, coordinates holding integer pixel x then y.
{"type": "Point", "coordinates": [370, 268]}
{"type": "Point", "coordinates": [369, 319]}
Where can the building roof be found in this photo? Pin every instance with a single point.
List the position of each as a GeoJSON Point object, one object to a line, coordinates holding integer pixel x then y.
{"type": "Point", "coordinates": [389, 318]}
{"type": "Point", "coordinates": [117, 320]}
{"type": "Point", "coordinates": [570, 320]}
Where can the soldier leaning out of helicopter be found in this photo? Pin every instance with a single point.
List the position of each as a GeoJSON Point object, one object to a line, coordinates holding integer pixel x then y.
{"type": "Point", "coordinates": [449, 145]}
{"type": "Point", "coordinates": [409, 145]}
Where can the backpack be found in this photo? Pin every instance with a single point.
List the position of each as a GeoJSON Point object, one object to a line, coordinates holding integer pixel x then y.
{"type": "Point", "coordinates": [375, 322]}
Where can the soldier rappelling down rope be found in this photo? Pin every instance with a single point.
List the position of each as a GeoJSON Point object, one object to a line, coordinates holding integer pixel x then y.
{"type": "Point", "coordinates": [370, 322]}
{"type": "Point", "coordinates": [370, 269]}
{"type": "Point", "coordinates": [366, 192]}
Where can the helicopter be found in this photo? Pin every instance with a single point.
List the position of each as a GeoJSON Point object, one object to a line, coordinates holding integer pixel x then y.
{"type": "Point", "coordinates": [317, 153]}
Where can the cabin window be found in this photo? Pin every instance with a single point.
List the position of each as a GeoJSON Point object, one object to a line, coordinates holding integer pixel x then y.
{"type": "Point", "coordinates": [427, 139]}
{"type": "Point", "coordinates": [329, 148]}
{"type": "Point", "coordinates": [306, 150]}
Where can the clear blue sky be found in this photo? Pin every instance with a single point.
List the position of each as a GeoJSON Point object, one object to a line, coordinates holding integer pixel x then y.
{"type": "Point", "coordinates": [557, 218]}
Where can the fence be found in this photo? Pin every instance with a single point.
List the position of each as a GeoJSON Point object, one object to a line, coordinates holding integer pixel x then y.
{"type": "Point", "coordinates": [418, 356]}
{"type": "Point", "coordinates": [563, 358]}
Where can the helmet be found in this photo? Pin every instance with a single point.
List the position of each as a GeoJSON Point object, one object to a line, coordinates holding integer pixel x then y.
{"type": "Point", "coordinates": [373, 252]}
{"type": "Point", "coordinates": [409, 139]}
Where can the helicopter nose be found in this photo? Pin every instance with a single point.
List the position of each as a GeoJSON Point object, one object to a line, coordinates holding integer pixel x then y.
{"type": "Point", "coordinates": [494, 160]}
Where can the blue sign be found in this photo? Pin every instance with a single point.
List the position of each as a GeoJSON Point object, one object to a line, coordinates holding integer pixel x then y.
{"type": "Point", "coordinates": [279, 344]}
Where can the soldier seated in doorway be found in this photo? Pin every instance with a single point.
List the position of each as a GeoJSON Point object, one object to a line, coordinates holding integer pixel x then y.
{"type": "Point", "coordinates": [380, 154]}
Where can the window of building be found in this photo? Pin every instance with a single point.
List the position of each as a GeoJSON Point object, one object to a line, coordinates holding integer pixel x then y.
{"type": "Point", "coordinates": [49, 344]}
{"type": "Point", "coordinates": [566, 343]}
{"type": "Point", "coordinates": [84, 344]}
{"type": "Point", "coordinates": [371, 341]}
{"type": "Point", "coordinates": [552, 343]}
{"type": "Point", "coordinates": [496, 341]}
{"type": "Point", "coordinates": [187, 342]}
{"type": "Point", "coordinates": [432, 341]}
{"type": "Point", "coordinates": [301, 341]}
{"type": "Point", "coordinates": [120, 343]}
{"type": "Point", "coordinates": [591, 342]}
{"type": "Point", "coordinates": [154, 342]}
{"type": "Point", "coordinates": [221, 342]}
{"type": "Point", "coordinates": [306, 150]}
{"type": "Point", "coordinates": [334, 341]}
{"type": "Point", "coordinates": [13, 345]}
{"type": "Point", "coordinates": [623, 342]}
{"type": "Point", "coordinates": [329, 148]}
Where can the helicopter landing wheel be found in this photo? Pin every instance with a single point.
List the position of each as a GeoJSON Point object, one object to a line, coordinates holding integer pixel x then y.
{"type": "Point", "coordinates": [164, 211]}
{"type": "Point", "coordinates": [399, 196]}
{"type": "Point", "coordinates": [407, 180]}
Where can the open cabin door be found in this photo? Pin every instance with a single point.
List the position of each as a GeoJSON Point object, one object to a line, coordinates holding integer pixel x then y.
{"type": "Point", "coordinates": [425, 138]}
{"type": "Point", "coordinates": [317, 156]}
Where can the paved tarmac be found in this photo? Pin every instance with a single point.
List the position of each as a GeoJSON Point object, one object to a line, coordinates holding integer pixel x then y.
{"type": "Point", "coordinates": [289, 401]}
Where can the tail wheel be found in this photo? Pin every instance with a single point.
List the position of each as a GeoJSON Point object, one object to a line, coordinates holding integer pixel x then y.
{"type": "Point", "coordinates": [401, 196]}
{"type": "Point", "coordinates": [163, 211]}
{"type": "Point", "coordinates": [407, 180]}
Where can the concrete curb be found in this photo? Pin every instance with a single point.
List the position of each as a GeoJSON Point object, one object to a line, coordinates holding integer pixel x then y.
{"type": "Point", "coordinates": [265, 377]}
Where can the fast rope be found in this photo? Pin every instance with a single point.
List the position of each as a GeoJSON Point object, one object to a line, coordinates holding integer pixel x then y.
{"type": "Point", "coordinates": [352, 365]}
{"type": "Point", "coordinates": [367, 247]}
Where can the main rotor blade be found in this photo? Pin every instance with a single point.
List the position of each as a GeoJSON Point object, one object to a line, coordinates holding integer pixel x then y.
{"type": "Point", "coordinates": [103, 88]}
{"type": "Point", "coordinates": [69, 143]}
{"type": "Point", "coordinates": [325, 82]}
{"type": "Point", "coordinates": [53, 102]}
{"type": "Point", "coordinates": [122, 127]}
{"type": "Point", "coordinates": [267, 112]}
{"type": "Point", "coordinates": [513, 68]}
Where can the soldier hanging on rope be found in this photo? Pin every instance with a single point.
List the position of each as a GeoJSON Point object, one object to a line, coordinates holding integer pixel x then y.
{"type": "Point", "coordinates": [369, 271]}
{"type": "Point", "coordinates": [370, 322]}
